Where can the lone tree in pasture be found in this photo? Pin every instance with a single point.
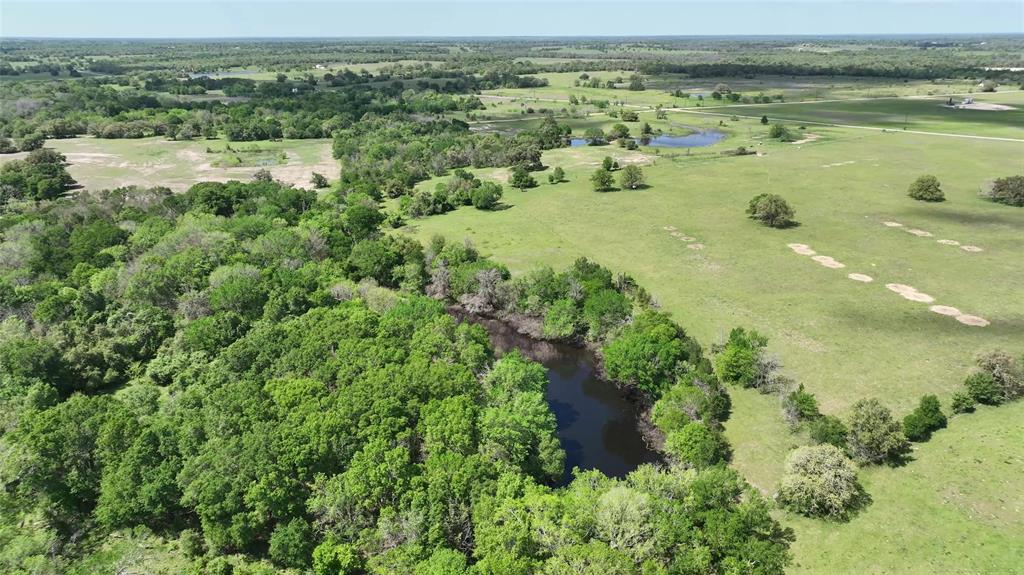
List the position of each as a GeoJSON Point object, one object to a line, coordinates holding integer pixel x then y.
{"type": "Point", "coordinates": [764, 120]}
{"type": "Point", "coordinates": [927, 189]}
{"type": "Point", "coordinates": [521, 179]}
{"type": "Point", "coordinates": [610, 164]}
{"type": "Point", "coordinates": [632, 178]}
{"type": "Point", "coordinates": [771, 210]}
{"type": "Point", "coordinates": [820, 481]}
{"type": "Point", "coordinates": [557, 175]}
{"type": "Point", "coordinates": [602, 180]}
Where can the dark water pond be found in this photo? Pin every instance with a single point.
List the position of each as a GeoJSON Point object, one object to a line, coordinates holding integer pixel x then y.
{"type": "Point", "coordinates": [597, 425]}
{"type": "Point", "coordinates": [694, 140]}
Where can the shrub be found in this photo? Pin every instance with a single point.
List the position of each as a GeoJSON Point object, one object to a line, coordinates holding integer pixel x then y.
{"type": "Point", "coordinates": [738, 361]}
{"type": "Point", "coordinates": [963, 402]}
{"type": "Point", "coordinates": [602, 180]}
{"type": "Point", "coordinates": [1009, 191]}
{"type": "Point", "coordinates": [562, 320]}
{"type": "Point", "coordinates": [1007, 372]}
{"type": "Point", "coordinates": [919, 424]}
{"type": "Point", "coordinates": [771, 210]}
{"type": "Point", "coordinates": [927, 189]}
{"type": "Point", "coordinates": [521, 178]}
{"type": "Point", "coordinates": [820, 481]}
{"type": "Point", "coordinates": [318, 181]}
{"type": "Point", "coordinates": [557, 175]}
{"type": "Point", "coordinates": [983, 388]}
{"type": "Point", "coordinates": [781, 133]}
{"type": "Point", "coordinates": [486, 196]}
{"type": "Point", "coordinates": [800, 405]}
{"type": "Point", "coordinates": [874, 436]}
{"type": "Point", "coordinates": [697, 445]}
{"type": "Point", "coordinates": [829, 429]}
{"type": "Point", "coordinates": [609, 163]}
{"type": "Point", "coordinates": [632, 178]}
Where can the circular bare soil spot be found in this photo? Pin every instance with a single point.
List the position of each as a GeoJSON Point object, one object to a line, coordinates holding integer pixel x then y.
{"type": "Point", "coordinates": [675, 234]}
{"type": "Point", "coordinates": [828, 262]}
{"type": "Point", "coordinates": [949, 242]}
{"type": "Point", "coordinates": [696, 246]}
{"type": "Point", "coordinates": [972, 249]}
{"type": "Point", "coordinates": [893, 224]}
{"type": "Point", "coordinates": [972, 320]}
{"type": "Point", "coordinates": [945, 310]}
{"type": "Point", "coordinates": [919, 233]}
{"type": "Point", "coordinates": [861, 278]}
{"type": "Point", "coordinates": [669, 228]}
{"type": "Point", "coordinates": [910, 293]}
{"type": "Point", "coordinates": [802, 249]}
{"type": "Point", "coordinates": [687, 239]}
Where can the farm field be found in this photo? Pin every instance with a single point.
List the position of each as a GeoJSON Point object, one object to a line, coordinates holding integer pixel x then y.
{"type": "Point", "coordinates": [845, 340]}
{"type": "Point", "coordinates": [98, 163]}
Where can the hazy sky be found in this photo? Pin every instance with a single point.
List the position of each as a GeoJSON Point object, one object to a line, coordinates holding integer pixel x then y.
{"type": "Point", "coordinates": [336, 18]}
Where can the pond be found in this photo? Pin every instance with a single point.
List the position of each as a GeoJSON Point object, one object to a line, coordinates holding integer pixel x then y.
{"type": "Point", "coordinates": [694, 140]}
{"type": "Point", "coordinates": [596, 423]}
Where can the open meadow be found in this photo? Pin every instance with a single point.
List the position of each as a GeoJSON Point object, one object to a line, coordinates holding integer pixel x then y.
{"type": "Point", "coordinates": [687, 239]}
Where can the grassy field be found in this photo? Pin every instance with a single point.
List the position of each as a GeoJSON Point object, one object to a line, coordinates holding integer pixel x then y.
{"type": "Point", "coordinates": [928, 114]}
{"type": "Point", "coordinates": [98, 164]}
{"type": "Point", "coordinates": [845, 340]}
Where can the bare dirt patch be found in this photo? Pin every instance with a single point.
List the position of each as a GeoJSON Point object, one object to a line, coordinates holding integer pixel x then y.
{"type": "Point", "coordinates": [945, 310]}
{"type": "Point", "coordinates": [687, 239]}
{"type": "Point", "coordinates": [837, 164]}
{"type": "Point", "coordinates": [669, 228]}
{"type": "Point", "coordinates": [696, 246]}
{"type": "Point", "coordinates": [829, 262]}
{"type": "Point", "coordinates": [893, 224]}
{"type": "Point", "coordinates": [861, 278]}
{"type": "Point", "coordinates": [949, 242]}
{"type": "Point", "coordinates": [910, 293]}
{"type": "Point", "coordinates": [808, 138]}
{"type": "Point", "coordinates": [919, 233]}
{"type": "Point", "coordinates": [972, 320]}
{"type": "Point", "coordinates": [972, 249]}
{"type": "Point", "coordinates": [802, 249]}
{"type": "Point", "coordinates": [985, 106]}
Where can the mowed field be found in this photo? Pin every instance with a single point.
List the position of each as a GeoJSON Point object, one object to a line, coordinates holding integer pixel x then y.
{"type": "Point", "coordinates": [688, 241]}
{"type": "Point", "coordinates": [100, 164]}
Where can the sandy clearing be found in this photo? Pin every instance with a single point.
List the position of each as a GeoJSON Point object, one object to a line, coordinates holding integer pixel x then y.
{"type": "Point", "coordinates": [919, 233]}
{"type": "Point", "coordinates": [948, 242]}
{"type": "Point", "coordinates": [972, 249]}
{"type": "Point", "coordinates": [861, 278]}
{"type": "Point", "coordinates": [972, 320]}
{"type": "Point", "coordinates": [945, 310]}
{"type": "Point", "coordinates": [828, 262]}
{"type": "Point", "coordinates": [802, 249]}
{"type": "Point", "coordinates": [696, 246]}
{"type": "Point", "coordinates": [669, 228]}
{"type": "Point", "coordinates": [808, 138]}
{"type": "Point", "coordinates": [892, 224]}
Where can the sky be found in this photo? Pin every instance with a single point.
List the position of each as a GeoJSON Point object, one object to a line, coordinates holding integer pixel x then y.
{"type": "Point", "coordinates": [366, 18]}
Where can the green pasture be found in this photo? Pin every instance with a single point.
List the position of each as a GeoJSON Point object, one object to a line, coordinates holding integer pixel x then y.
{"type": "Point", "coordinates": [845, 340]}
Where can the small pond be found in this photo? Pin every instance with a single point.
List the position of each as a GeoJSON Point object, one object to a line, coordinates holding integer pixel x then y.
{"type": "Point", "coordinates": [597, 424]}
{"type": "Point", "coordinates": [694, 140]}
